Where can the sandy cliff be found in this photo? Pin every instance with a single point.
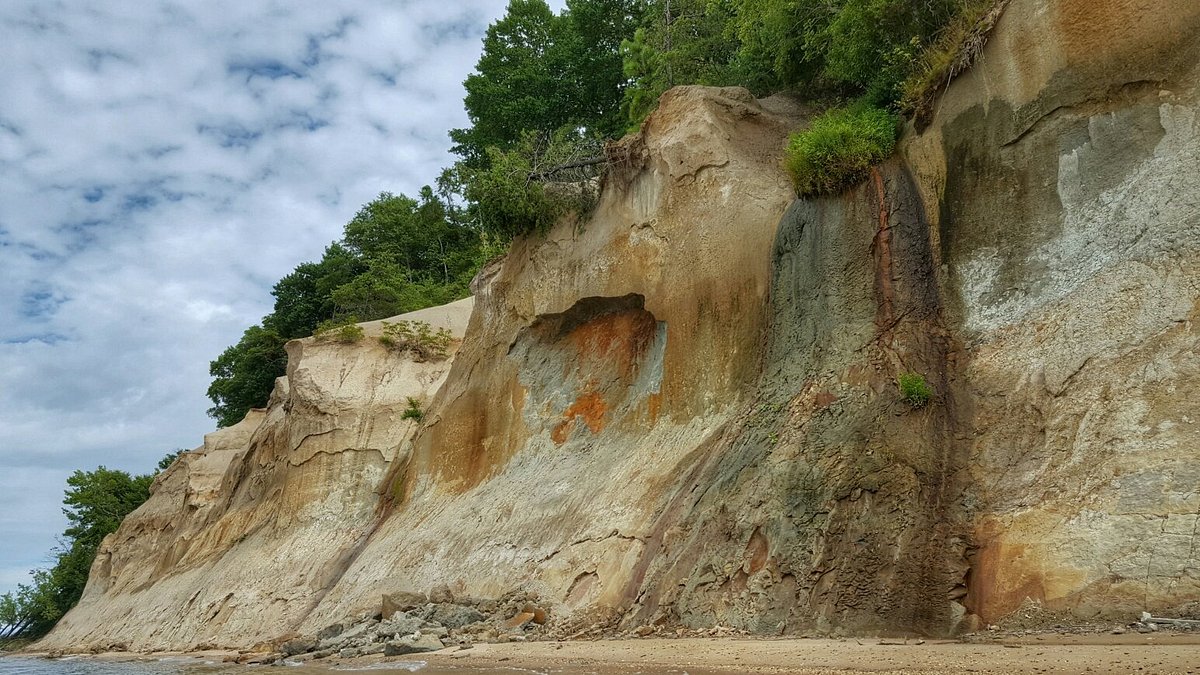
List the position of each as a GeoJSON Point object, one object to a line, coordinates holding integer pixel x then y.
{"type": "Point", "coordinates": [243, 536]}
{"type": "Point", "coordinates": [683, 409]}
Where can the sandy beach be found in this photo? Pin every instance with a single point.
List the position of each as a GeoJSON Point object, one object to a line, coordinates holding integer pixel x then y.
{"type": "Point", "coordinates": [1050, 653]}
{"type": "Point", "coordinates": [1041, 654]}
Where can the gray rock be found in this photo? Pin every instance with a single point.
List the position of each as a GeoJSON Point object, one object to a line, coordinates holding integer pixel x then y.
{"type": "Point", "coordinates": [413, 644]}
{"type": "Point", "coordinates": [401, 623]}
{"type": "Point", "coordinates": [298, 646]}
{"type": "Point", "coordinates": [357, 630]}
{"type": "Point", "coordinates": [454, 616]}
{"type": "Point", "coordinates": [374, 648]}
{"type": "Point", "coordinates": [332, 630]}
{"type": "Point", "coordinates": [349, 652]}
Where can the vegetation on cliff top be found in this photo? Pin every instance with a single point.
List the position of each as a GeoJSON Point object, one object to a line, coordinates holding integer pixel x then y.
{"type": "Point", "coordinates": [396, 255]}
{"type": "Point", "coordinates": [95, 504]}
{"type": "Point", "coordinates": [550, 89]}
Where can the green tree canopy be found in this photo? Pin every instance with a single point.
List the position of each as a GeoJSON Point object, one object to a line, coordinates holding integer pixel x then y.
{"type": "Point", "coordinates": [95, 503]}
{"type": "Point", "coordinates": [304, 298]}
{"type": "Point", "coordinates": [244, 374]}
{"type": "Point", "coordinates": [396, 255]}
{"type": "Point", "coordinates": [521, 81]}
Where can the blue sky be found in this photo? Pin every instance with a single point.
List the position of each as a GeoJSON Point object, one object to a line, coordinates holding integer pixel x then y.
{"type": "Point", "coordinates": [162, 164]}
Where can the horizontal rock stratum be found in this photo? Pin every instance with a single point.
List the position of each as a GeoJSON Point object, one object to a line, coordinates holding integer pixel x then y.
{"type": "Point", "coordinates": [683, 409]}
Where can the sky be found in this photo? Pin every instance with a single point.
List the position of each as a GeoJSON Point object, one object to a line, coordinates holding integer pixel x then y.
{"type": "Point", "coordinates": [162, 164]}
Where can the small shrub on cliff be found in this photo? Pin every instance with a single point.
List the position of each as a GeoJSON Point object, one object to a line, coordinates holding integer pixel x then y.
{"type": "Point", "coordinates": [413, 411]}
{"type": "Point", "coordinates": [417, 338]}
{"type": "Point", "coordinates": [345, 331]}
{"type": "Point", "coordinates": [957, 46]}
{"type": "Point", "coordinates": [914, 390]}
{"type": "Point", "coordinates": [838, 148]}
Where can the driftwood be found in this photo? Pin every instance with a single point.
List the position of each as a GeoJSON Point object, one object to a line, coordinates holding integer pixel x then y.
{"type": "Point", "coordinates": [579, 164]}
{"type": "Point", "coordinates": [1190, 623]}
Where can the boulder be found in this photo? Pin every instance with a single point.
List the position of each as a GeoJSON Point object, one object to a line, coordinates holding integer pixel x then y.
{"type": "Point", "coordinates": [519, 620]}
{"type": "Point", "coordinates": [401, 623]}
{"type": "Point", "coordinates": [453, 616]}
{"type": "Point", "coordinates": [539, 614]}
{"type": "Point", "coordinates": [441, 595]}
{"type": "Point", "coordinates": [332, 630]}
{"type": "Point", "coordinates": [401, 601]}
{"type": "Point", "coordinates": [412, 644]}
{"type": "Point", "coordinates": [298, 646]}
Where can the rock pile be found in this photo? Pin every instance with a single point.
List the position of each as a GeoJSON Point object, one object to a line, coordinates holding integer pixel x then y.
{"type": "Point", "coordinates": [411, 623]}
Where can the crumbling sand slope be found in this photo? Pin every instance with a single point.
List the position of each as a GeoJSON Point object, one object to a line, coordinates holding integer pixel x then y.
{"type": "Point", "coordinates": [242, 536]}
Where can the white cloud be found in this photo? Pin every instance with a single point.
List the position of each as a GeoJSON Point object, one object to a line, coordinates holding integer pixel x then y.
{"type": "Point", "coordinates": [161, 164]}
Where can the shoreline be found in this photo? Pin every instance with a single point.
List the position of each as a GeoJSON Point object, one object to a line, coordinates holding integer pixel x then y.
{"type": "Point", "coordinates": [1163, 652]}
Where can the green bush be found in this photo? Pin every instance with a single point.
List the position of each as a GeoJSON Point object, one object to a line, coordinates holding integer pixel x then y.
{"type": "Point", "coordinates": [413, 411]}
{"type": "Point", "coordinates": [345, 331]}
{"type": "Point", "coordinates": [838, 148]}
{"type": "Point", "coordinates": [914, 390]}
{"type": "Point", "coordinates": [417, 338]}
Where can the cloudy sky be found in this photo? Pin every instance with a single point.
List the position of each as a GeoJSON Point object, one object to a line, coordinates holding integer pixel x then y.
{"type": "Point", "coordinates": [162, 164]}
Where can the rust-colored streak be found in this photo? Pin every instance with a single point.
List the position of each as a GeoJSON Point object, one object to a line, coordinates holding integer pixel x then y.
{"type": "Point", "coordinates": [619, 339]}
{"type": "Point", "coordinates": [590, 407]}
{"type": "Point", "coordinates": [653, 407]}
{"type": "Point", "coordinates": [882, 246]}
{"type": "Point", "coordinates": [1001, 580]}
{"type": "Point", "coordinates": [757, 550]}
{"type": "Point", "coordinates": [824, 399]}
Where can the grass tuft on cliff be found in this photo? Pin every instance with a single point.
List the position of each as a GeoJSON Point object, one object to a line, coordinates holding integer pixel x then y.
{"type": "Point", "coordinates": [914, 390]}
{"type": "Point", "coordinates": [343, 331]}
{"type": "Point", "coordinates": [960, 42]}
{"type": "Point", "coordinates": [836, 151]}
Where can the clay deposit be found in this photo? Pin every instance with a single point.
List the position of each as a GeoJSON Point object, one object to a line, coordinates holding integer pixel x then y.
{"type": "Point", "coordinates": [681, 411]}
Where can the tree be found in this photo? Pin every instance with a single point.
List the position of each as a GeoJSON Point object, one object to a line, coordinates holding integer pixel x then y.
{"type": "Point", "coordinates": [95, 504]}
{"type": "Point", "coordinates": [520, 82]}
{"type": "Point", "coordinates": [540, 72]}
{"type": "Point", "coordinates": [244, 374]}
{"type": "Point", "coordinates": [591, 43]}
{"type": "Point", "coordinates": [529, 187]}
{"type": "Point", "coordinates": [303, 298]}
{"type": "Point", "coordinates": [397, 255]}
{"type": "Point", "coordinates": [678, 42]}
{"type": "Point", "coordinates": [415, 236]}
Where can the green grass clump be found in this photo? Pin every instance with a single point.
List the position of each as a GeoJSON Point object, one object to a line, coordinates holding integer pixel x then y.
{"type": "Point", "coordinates": [345, 331]}
{"type": "Point", "coordinates": [413, 411]}
{"type": "Point", "coordinates": [838, 148]}
{"type": "Point", "coordinates": [417, 338]}
{"type": "Point", "coordinates": [914, 390]}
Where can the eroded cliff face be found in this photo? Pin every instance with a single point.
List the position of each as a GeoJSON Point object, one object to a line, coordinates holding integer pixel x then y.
{"type": "Point", "coordinates": [243, 536]}
{"type": "Point", "coordinates": [1068, 230]}
{"type": "Point", "coordinates": [598, 363]}
{"type": "Point", "coordinates": [683, 409]}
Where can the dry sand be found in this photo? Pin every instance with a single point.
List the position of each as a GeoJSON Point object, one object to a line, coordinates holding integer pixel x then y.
{"type": "Point", "coordinates": [1159, 653]}
{"type": "Point", "coordinates": [1041, 654]}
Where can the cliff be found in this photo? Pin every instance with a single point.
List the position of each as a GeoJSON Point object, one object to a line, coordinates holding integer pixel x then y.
{"type": "Point", "coordinates": [683, 409]}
